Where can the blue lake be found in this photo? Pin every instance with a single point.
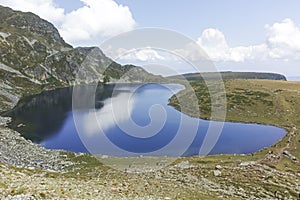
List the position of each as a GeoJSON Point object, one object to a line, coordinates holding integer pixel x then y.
{"type": "Point", "coordinates": [130, 120]}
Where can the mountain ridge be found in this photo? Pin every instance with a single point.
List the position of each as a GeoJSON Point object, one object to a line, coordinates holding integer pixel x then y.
{"type": "Point", "coordinates": [34, 47]}
{"type": "Point", "coordinates": [34, 57]}
{"type": "Point", "coordinates": [230, 75]}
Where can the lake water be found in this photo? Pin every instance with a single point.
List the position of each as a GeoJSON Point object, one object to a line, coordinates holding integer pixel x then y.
{"type": "Point", "coordinates": [129, 120]}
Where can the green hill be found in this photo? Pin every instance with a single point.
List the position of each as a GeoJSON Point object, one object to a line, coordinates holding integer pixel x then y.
{"type": "Point", "coordinates": [230, 75]}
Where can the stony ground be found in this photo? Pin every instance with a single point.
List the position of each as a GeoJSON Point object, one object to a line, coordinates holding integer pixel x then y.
{"type": "Point", "coordinates": [191, 178]}
{"type": "Point", "coordinates": [19, 152]}
{"type": "Point", "coordinates": [28, 171]}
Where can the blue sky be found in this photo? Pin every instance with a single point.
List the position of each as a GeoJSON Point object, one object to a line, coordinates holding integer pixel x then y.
{"type": "Point", "coordinates": [239, 35]}
{"type": "Point", "coordinates": [242, 21]}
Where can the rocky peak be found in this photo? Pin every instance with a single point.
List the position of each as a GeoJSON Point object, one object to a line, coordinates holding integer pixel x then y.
{"type": "Point", "coordinates": [33, 47]}
{"type": "Point", "coordinates": [29, 24]}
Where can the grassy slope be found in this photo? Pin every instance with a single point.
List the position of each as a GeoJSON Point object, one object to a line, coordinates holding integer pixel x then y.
{"type": "Point", "coordinates": [276, 105]}
{"type": "Point", "coordinates": [257, 101]}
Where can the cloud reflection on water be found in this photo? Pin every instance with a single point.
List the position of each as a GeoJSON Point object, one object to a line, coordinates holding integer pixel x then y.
{"type": "Point", "coordinates": [113, 112]}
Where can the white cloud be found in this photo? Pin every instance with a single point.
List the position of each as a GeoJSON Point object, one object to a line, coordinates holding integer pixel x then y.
{"type": "Point", "coordinates": [144, 55]}
{"type": "Point", "coordinates": [44, 8]}
{"type": "Point", "coordinates": [96, 18]}
{"type": "Point", "coordinates": [283, 39]}
{"type": "Point", "coordinates": [214, 43]}
{"type": "Point", "coordinates": [110, 114]}
{"type": "Point", "coordinates": [282, 42]}
{"type": "Point", "coordinates": [192, 52]}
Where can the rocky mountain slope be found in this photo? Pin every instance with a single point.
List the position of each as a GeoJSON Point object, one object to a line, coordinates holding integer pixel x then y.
{"type": "Point", "coordinates": [33, 56]}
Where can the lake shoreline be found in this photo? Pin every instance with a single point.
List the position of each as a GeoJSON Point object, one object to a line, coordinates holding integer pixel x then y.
{"type": "Point", "coordinates": [250, 122]}
{"type": "Point", "coordinates": [59, 103]}
{"type": "Point", "coordinates": [208, 177]}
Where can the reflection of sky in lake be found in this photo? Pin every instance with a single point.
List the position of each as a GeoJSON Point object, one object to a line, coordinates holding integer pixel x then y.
{"type": "Point", "coordinates": [132, 123]}
{"type": "Point", "coordinates": [137, 120]}
{"type": "Point", "coordinates": [113, 112]}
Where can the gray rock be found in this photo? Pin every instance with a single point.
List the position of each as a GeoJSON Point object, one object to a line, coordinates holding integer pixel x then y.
{"type": "Point", "coordinates": [218, 167]}
{"type": "Point", "coordinates": [289, 155]}
{"type": "Point", "coordinates": [19, 152]}
{"type": "Point", "coordinates": [183, 165]}
{"type": "Point", "coordinates": [245, 164]}
{"type": "Point", "coordinates": [217, 173]}
{"type": "Point", "coordinates": [4, 121]}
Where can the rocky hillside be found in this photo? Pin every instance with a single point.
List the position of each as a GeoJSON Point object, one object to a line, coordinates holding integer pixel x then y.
{"type": "Point", "coordinates": [33, 56]}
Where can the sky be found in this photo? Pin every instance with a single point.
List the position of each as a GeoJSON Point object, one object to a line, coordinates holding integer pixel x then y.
{"type": "Point", "coordinates": [237, 35]}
